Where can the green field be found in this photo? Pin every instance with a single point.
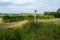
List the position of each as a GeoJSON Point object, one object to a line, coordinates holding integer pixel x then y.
{"type": "Point", "coordinates": [47, 29]}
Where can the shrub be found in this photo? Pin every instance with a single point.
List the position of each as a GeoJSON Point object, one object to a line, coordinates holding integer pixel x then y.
{"type": "Point", "coordinates": [45, 16]}
{"type": "Point", "coordinates": [55, 14]}
{"type": "Point", "coordinates": [6, 18]}
{"type": "Point", "coordinates": [14, 18]}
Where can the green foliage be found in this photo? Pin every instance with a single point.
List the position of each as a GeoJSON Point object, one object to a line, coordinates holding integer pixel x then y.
{"type": "Point", "coordinates": [14, 18]}
{"type": "Point", "coordinates": [55, 14]}
{"type": "Point", "coordinates": [48, 30]}
{"type": "Point", "coordinates": [41, 31]}
{"type": "Point", "coordinates": [49, 13]}
{"type": "Point", "coordinates": [45, 16]}
{"type": "Point", "coordinates": [6, 18]}
{"type": "Point", "coordinates": [7, 34]}
{"type": "Point", "coordinates": [58, 10]}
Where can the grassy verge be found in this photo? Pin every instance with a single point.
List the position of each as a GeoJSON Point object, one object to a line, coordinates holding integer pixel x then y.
{"type": "Point", "coordinates": [43, 30]}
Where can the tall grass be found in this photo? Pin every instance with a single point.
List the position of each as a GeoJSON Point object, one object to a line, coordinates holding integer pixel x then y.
{"type": "Point", "coordinates": [44, 30]}
{"type": "Point", "coordinates": [41, 31]}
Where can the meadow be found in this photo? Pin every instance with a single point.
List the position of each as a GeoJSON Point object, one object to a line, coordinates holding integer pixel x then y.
{"type": "Point", "coordinates": [22, 27]}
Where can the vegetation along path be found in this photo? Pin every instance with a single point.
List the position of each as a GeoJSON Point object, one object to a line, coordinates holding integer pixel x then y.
{"type": "Point", "coordinates": [13, 24]}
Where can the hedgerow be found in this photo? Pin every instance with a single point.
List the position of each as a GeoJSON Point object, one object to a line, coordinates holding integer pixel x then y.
{"type": "Point", "coordinates": [9, 18]}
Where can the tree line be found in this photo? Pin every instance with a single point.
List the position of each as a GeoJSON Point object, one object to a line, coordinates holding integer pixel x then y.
{"type": "Point", "coordinates": [55, 14]}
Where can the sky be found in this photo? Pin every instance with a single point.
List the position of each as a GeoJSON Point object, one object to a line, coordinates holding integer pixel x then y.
{"type": "Point", "coordinates": [28, 6]}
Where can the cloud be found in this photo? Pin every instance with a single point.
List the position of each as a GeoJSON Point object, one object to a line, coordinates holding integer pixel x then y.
{"type": "Point", "coordinates": [14, 3]}
{"type": "Point", "coordinates": [22, 1]}
{"type": "Point", "coordinates": [4, 0]}
{"type": "Point", "coordinates": [16, 6]}
{"type": "Point", "coordinates": [28, 5]}
{"type": "Point", "coordinates": [18, 1]}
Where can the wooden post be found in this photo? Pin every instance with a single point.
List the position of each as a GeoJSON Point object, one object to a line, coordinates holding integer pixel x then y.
{"type": "Point", "coordinates": [35, 17]}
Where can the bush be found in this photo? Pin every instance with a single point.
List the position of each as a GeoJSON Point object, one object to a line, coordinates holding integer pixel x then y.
{"type": "Point", "coordinates": [6, 18]}
{"type": "Point", "coordinates": [55, 14]}
{"type": "Point", "coordinates": [14, 18]}
{"type": "Point", "coordinates": [45, 16]}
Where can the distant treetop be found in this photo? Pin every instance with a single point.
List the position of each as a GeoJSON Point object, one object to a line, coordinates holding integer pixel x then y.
{"type": "Point", "coordinates": [58, 10]}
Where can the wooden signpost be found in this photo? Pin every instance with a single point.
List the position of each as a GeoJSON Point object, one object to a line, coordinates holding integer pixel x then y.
{"type": "Point", "coordinates": [35, 16]}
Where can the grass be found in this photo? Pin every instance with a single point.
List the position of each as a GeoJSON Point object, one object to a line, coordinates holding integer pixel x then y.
{"type": "Point", "coordinates": [42, 30]}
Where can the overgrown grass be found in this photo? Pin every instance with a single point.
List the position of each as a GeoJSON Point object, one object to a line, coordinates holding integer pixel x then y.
{"type": "Point", "coordinates": [44, 30]}
{"type": "Point", "coordinates": [41, 31]}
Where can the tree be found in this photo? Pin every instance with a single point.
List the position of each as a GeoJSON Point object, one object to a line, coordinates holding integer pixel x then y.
{"type": "Point", "coordinates": [58, 10]}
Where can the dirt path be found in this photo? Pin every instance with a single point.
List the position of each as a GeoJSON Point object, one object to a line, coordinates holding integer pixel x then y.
{"type": "Point", "coordinates": [13, 24]}
{"type": "Point", "coordinates": [17, 24]}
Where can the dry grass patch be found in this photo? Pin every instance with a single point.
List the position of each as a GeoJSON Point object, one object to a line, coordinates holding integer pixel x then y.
{"type": "Point", "coordinates": [17, 24]}
{"type": "Point", "coordinates": [12, 24]}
